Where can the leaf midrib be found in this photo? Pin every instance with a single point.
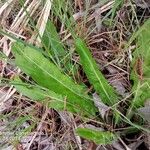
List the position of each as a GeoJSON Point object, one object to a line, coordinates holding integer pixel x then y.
{"type": "Point", "coordinates": [96, 74]}
{"type": "Point", "coordinates": [54, 77]}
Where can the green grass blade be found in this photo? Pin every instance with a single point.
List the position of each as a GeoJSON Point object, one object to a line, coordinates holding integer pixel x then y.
{"type": "Point", "coordinates": [96, 78]}
{"type": "Point", "coordinates": [46, 74]}
{"type": "Point", "coordinates": [99, 137]}
{"type": "Point", "coordinates": [116, 5]}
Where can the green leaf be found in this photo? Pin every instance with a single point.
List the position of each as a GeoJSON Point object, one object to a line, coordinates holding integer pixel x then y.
{"type": "Point", "coordinates": [53, 44]}
{"type": "Point", "coordinates": [116, 4]}
{"type": "Point", "coordinates": [18, 135]}
{"type": "Point", "coordinates": [47, 75]}
{"type": "Point", "coordinates": [37, 93]}
{"type": "Point", "coordinates": [96, 78]}
{"type": "Point", "coordinates": [140, 72]}
{"type": "Point", "coordinates": [18, 122]}
{"type": "Point", "coordinates": [3, 56]}
{"type": "Point", "coordinates": [52, 41]}
{"type": "Point", "coordinates": [99, 137]}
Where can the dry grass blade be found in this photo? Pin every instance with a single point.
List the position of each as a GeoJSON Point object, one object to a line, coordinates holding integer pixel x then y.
{"type": "Point", "coordinates": [41, 25]}
{"type": "Point", "coordinates": [5, 5]}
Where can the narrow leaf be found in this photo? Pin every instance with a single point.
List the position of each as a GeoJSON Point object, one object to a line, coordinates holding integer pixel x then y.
{"type": "Point", "coordinates": [107, 93]}
{"type": "Point", "coordinates": [46, 74]}
{"type": "Point", "coordinates": [55, 47]}
{"type": "Point", "coordinates": [99, 137]}
{"type": "Point", "coordinates": [116, 5]}
{"type": "Point", "coordinates": [52, 41]}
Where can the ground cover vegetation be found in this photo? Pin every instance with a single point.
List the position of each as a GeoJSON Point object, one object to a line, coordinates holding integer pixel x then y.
{"type": "Point", "coordinates": [74, 74]}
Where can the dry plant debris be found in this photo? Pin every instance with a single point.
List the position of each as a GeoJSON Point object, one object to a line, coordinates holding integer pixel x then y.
{"type": "Point", "coordinates": [29, 125]}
